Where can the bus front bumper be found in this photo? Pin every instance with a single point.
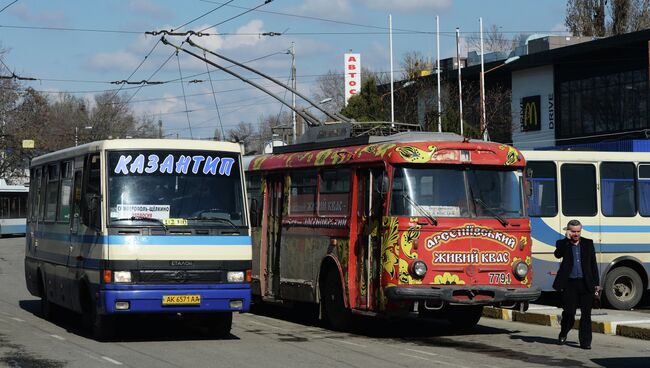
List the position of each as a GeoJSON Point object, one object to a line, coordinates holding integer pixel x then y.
{"type": "Point", "coordinates": [149, 298]}
{"type": "Point", "coordinates": [484, 295]}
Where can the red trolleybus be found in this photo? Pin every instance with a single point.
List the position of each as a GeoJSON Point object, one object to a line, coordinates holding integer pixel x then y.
{"type": "Point", "coordinates": [414, 222]}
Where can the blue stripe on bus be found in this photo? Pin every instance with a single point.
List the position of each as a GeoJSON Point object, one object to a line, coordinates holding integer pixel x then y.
{"type": "Point", "coordinates": [148, 240]}
{"type": "Point", "coordinates": [178, 240]}
{"type": "Point", "coordinates": [12, 229]}
{"type": "Point", "coordinates": [542, 232]}
{"type": "Point", "coordinates": [617, 228]}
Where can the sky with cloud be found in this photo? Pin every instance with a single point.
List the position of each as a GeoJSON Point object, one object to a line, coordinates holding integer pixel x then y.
{"type": "Point", "coordinates": [80, 46]}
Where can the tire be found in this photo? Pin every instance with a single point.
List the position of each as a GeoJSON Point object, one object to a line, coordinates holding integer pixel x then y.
{"type": "Point", "coordinates": [464, 317]}
{"type": "Point", "coordinates": [335, 314]}
{"type": "Point", "coordinates": [220, 324]}
{"type": "Point", "coordinates": [46, 305]}
{"type": "Point", "coordinates": [101, 327]}
{"type": "Point", "coordinates": [623, 288]}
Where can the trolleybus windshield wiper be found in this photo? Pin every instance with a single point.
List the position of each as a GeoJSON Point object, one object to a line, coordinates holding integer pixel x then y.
{"type": "Point", "coordinates": [146, 219]}
{"type": "Point", "coordinates": [422, 211]}
{"type": "Point", "coordinates": [494, 213]}
{"type": "Point", "coordinates": [213, 218]}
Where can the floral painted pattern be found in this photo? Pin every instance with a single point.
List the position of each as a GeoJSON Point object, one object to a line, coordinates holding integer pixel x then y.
{"type": "Point", "coordinates": [448, 279]}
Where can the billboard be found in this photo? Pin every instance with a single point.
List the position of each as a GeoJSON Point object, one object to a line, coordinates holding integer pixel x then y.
{"type": "Point", "coordinates": [352, 75]}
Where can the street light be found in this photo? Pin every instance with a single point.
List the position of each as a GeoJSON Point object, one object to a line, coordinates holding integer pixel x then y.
{"type": "Point", "coordinates": [76, 134]}
{"type": "Point", "coordinates": [483, 125]}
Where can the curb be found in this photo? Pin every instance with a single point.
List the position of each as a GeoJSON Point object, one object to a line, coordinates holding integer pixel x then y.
{"type": "Point", "coordinates": [604, 327]}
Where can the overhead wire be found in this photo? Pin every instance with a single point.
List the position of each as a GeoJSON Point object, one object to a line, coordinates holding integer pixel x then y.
{"type": "Point", "coordinates": [187, 113]}
{"type": "Point", "coordinates": [214, 96]}
{"type": "Point", "coordinates": [202, 15]}
{"type": "Point", "coordinates": [237, 16]}
{"type": "Point", "coordinates": [10, 4]}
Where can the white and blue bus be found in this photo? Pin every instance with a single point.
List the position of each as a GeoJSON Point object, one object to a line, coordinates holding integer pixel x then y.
{"type": "Point", "coordinates": [609, 193]}
{"type": "Point", "coordinates": [13, 208]}
{"type": "Point", "coordinates": [147, 226]}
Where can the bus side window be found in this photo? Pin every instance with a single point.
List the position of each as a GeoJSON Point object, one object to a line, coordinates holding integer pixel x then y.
{"type": "Point", "coordinates": [52, 192]}
{"type": "Point", "coordinates": [644, 189]}
{"type": "Point", "coordinates": [618, 197]}
{"type": "Point", "coordinates": [542, 186]}
{"type": "Point", "coordinates": [579, 190]}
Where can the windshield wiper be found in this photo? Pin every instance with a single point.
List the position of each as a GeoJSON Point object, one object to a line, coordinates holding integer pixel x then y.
{"type": "Point", "coordinates": [494, 213]}
{"type": "Point", "coordinates": [422, 211]}
{"type": "Point", "coordinates": [214, 218]}
{"type": "Point", "coordinates": [146, 219]}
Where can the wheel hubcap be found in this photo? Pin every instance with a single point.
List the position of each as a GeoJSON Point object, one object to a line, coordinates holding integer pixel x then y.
{"type": "Point", "coordinates": [623, 288]}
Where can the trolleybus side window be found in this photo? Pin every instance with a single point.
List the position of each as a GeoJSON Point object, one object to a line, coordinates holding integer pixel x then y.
{"type": "Point", "coordinates": [66, 190]}
{"type": "Point", "coordinates": [302, 198]}
{"type": "Point", "coordinates": [542, 181]}
{"type": "Point", "coordinates": [579, 190]}
{"type": "Point", "coordinates": [617, 189]}
{"type": "Point", "coordinates": [334, 192]}
{"type": "Point", "coordinates": [42, 183]}
{"type": "Point", "coordinates": [644, 189]}
{"type": "Point", "coordinates": [255, 198]}
{"type": "Point", "coordinates": [52, 192]}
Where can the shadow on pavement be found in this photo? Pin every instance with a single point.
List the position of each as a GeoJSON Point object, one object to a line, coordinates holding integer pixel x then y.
{"type": "Point", "coordinates": [134, 328]}
{"type": "Point", "coordinates": [631, 362]}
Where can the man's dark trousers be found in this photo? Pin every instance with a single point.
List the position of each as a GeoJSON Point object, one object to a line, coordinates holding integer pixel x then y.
{"type": "Point", "coordinates": [576, 294]}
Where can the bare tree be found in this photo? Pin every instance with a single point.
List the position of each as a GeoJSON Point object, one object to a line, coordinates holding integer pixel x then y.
{"type": "Point", "coordinates": [586, 17]}
{"type": "Point", "coordinates": [493, 40]}
{"type": "Point", "coordinates": [414, 63]}
{"type": "Point", "coordinates": [595, 18]}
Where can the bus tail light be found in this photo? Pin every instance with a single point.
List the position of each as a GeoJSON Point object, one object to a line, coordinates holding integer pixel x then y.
{"type": "Point", "coordinates": [248, 275]}
{"type": "Point", "coordinates": [108, 276]}
{"type": "Point", "coordinates": [520, 270]}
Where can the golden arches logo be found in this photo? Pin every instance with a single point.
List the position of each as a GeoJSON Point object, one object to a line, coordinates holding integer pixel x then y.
{"type": "Point", "coordinates": [530, 114]}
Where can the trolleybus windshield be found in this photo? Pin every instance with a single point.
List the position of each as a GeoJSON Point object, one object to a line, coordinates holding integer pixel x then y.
{"type": "Point", "coordinates": [457, 192]}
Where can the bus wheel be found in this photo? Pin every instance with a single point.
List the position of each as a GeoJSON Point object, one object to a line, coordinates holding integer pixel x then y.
{"type": "Point", "coordinates": [623, 288]}
{"type": "Point", "coordinates": [464, 317]}
{"type": "Point", "coordinates": [101, 327]}
{"type": "Point", "coordinates": [46, 304]}
{"type": "Point", "coordinates": [220, 324]}
{"type": "Point", "coordinates": [336, 315]}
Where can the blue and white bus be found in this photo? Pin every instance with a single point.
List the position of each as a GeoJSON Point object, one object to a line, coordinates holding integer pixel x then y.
{"type": "Point", "coordinates": [13, 208]}
{"type": "Point", "coordinates": [147, 226]}
{"type": "Point", "coordinates": [609, 193]}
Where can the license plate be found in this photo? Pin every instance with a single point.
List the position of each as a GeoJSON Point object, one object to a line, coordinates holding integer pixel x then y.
{"type": "Point", "coordinates": [181, 300]}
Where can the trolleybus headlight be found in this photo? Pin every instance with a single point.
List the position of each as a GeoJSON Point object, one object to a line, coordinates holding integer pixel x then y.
{"type": "Point", "coordinates": [235, 276]}
{"type": "Point", "coordinates": [419, 268]}
{"type": "Point", "coordinates": [520, 269]}
{"type": "Point", "coordinates": [122, 276]}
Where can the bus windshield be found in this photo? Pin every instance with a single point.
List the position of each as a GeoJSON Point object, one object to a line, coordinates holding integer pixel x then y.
{"type": "Point", "coordinates": [466, 191]}
{"type": "Point", "coordinates": [195, 188]}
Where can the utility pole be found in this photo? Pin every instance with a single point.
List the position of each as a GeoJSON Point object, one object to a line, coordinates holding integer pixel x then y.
{"type": "Point", "coordinates": [159, 128]}
{"type": "Point", "coordinates": [292, 51]}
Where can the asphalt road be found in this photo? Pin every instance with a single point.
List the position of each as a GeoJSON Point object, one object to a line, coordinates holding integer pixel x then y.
{"type": "Point", "coordinates": [280, 337]}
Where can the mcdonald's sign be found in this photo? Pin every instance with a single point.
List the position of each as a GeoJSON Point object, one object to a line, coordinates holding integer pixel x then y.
{"type": "Point", "coordinates": [531, 113]}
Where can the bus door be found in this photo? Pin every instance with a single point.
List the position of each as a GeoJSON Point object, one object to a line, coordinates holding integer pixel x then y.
{"type": "Point", "coordinates": [579, 199]}
{"type": "Point", "coordinates": [76, 235]}
{"type": "Point", "coordinates": [274, 234]}
{"type": "Point", "coordinates": [370, 204]}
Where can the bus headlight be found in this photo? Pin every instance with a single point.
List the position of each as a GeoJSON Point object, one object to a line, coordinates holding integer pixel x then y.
{"type": "Point", "coordinates": [520, 270]}
{"type": "Point", "coordinates": [419, 269]}
{"type": "Point", "coordinates": [235, 276]}
{"type": "Point", "coordinates": [122, 276]}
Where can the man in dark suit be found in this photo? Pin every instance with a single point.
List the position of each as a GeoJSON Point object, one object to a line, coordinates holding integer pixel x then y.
{"type": "Point", "coordinates": [577, 280]}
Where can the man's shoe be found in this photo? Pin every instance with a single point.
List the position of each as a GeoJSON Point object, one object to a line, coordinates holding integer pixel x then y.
{"type": "Point", "coordinates": [561, 339]}
{"type": "Point", "coordinates": [586, 347]}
